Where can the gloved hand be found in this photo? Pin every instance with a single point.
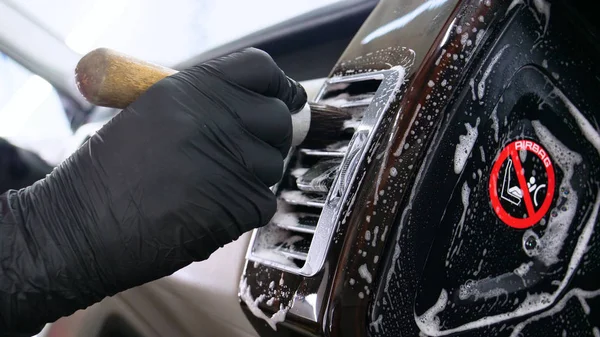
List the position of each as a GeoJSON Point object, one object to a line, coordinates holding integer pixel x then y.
{"type": "Point", "coordinates": [181, 172]}
{"type": "Point", "coordinates": [20, 167]}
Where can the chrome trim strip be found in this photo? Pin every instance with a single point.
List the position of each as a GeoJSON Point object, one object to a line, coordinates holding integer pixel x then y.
{"type": "Point", "coordinates": [292, 254]}
{"type": "Point", "coordinates": [306, 229]}
{"type": "Point", "coordinates": [304, 203]}
{"type": "Point", "coordinates": [320, 153]}
{"type": "Point", "coordinates": [354, 104]}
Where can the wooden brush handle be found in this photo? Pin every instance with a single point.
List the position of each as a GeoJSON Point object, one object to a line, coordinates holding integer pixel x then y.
{"type": "Point", "coordinates": [112, 79]}
{"type": "Point", "coordinates": [108, 78]}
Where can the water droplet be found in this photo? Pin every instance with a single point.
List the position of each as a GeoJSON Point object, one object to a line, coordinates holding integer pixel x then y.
{"type": "Point", "coordinates": [531, 243]}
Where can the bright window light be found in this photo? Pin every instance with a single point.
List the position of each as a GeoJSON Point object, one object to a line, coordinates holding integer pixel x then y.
{"type": "Point", "coordinates": [92, 26]}
{"type": "Point", "coordinates": [22, 105]}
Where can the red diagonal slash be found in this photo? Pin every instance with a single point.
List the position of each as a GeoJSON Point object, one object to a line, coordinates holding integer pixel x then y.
{"type": "Point", "coordinates": [522, 182]}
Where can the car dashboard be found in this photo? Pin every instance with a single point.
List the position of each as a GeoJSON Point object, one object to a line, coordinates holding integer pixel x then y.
{"type": "Point", "coordinates": [462, 199]}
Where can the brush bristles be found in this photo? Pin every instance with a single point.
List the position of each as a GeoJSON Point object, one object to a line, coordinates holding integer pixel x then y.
{"type": "Point", "coordinates": [326, 125]}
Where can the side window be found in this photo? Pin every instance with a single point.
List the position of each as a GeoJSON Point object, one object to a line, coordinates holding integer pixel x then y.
{"type": "Point", "coordinates": [32, 113]}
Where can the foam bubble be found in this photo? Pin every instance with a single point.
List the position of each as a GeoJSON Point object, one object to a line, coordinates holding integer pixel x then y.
{"type": "Point", "coordinates": [550, 244]}
{"type": "Point", "coordinates": [582, 295]}
{"type": "Point", "coordinates": [543, 7]}
{"type": "Point", "coordinates": [488, 71]}
{"type": "Point", "coordinates": [465, 146]}
{"type": "Point", "coordinates": [377, 324]}
{"type": "Point", "coordinates": [298, 172]}
{"type": "Point", "coordinates": [513, 5]}
{"type": "Point", "coordinates": [294, 195]}
{"type": "Point", "coordinates": [429, 322]}
{"type": "Point", "coordinates": [463, 38]}
{"type": "Point", "coordinates": [284, 218]}
{"type": "Point", "coordinates": [495, 123]}
{"type": "Point", "coordinates": [588, 130]}
{"type": "Point", "coordinates": [471, 289]}
{"type": "Point", "coordinates": [364, 273]}
{"type": "Point", "coordinates": [253, 304]}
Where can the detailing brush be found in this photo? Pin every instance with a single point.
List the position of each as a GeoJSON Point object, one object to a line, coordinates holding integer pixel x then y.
{"type": "Point", "coordinates": [112, 79]}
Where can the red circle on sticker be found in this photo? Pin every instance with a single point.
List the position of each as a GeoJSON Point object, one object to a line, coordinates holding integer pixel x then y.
{"type": "Point", "coordinates": [520, 189]}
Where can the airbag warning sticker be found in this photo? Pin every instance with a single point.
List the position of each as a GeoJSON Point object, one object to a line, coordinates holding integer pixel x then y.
{"type": "Point", "coordinates": [522, 184]}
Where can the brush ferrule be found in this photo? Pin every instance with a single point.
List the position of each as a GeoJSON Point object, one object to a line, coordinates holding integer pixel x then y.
{"type": "Point", "coordinates": [300, 125]}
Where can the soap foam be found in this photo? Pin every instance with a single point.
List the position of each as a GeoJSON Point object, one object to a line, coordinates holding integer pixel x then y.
{"type": "Point", "coordinates": [479, 35]}
{"type": "Point", "coordinates": [495, 123]}
{"type": "Point", "coordinates": [471, 289]}
{"type": "Point", "coordinates": [377, 324]}
{"type": "Point", "coordinates": [582, 295]}
{"type": "Point", "coordinates": [488, 71]}
{"type": "Point", "coordinates": [253, 305]}
{"type": "Point", "coordinates": [400, 148]}
{"type": "Point", "coordinates": [271, 255]}
{"type": "Point", "coordinates": [472, 85]}
{"type": "Point", "coordinates": [375, 235]}
{"type": "Point", "coordinates": [543, 8]}
{"type": "Point", "coordinates": [588, 131]}
{"type": "Point", "coordinates": [430, 323]}
{"type": "Point", "coordinates": [550, 244]}
{"type": "Point", "coordinates": [514, 4]}
{"type": "Point", "coordinates": [286, 219]}
{"type": "Point", "coordinates": [363, 271]}
{"type": "Point", "coordinates": [294, 195]}
{"type": "Point", "coordinates": [299, 172]}
{"type": "Point", "coordinates": [465, 146]}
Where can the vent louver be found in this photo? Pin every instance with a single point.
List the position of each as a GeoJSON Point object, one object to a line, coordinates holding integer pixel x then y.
{"type": "Point", "coordinates": [313, 188]}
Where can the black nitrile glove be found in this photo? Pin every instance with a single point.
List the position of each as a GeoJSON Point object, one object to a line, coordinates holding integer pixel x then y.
{"type": "Point", "coordinates": [181, 172]}
{"type": "Point", "coordinates": [20, 167]}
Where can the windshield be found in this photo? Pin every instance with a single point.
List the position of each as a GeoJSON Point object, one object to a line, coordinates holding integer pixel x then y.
{"type": "Point", "coordinates": [165, 32]}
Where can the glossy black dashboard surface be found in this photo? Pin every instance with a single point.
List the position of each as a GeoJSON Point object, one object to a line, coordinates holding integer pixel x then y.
{"type": "Point", "coordinates": [460, 268]}
{"type": "Point", "coordinates": [427, 252]}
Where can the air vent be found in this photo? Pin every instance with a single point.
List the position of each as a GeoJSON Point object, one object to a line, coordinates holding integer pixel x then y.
{"type": "Point", "coordinates": [315, 181]}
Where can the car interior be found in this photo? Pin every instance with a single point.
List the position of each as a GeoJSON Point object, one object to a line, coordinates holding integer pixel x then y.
{"type": "Point", "coordinates": [462, 200]}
